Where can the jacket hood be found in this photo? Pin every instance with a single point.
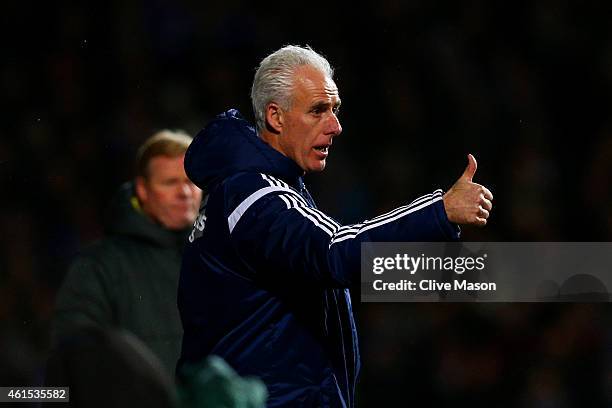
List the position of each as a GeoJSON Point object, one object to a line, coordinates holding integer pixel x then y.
{"type": "Point", "coordinates": [125, 218]}
{"type": "Point", "coordinates": [228, 145]}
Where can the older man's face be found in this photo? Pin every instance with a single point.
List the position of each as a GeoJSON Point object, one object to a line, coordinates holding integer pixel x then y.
{"type": "Point", "coordinates": [311, 123]}
{"type": "Point", "coordinates": [167, 195]}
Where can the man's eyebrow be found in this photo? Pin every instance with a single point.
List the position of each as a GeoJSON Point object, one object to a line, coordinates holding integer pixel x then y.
{"type": "Point", "coordinates": [319, 104]}
{"type": "Point", "coordinates": [325, 104]}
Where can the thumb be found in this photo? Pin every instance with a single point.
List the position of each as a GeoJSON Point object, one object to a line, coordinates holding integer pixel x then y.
{"type": "Point", "coordinates": [470, 170]}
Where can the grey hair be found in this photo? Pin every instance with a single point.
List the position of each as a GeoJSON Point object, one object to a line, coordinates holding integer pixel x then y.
{"type": "Point", "coordinates": [273, 80]}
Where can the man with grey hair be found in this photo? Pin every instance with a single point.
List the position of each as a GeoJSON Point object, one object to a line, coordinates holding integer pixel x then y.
{"type": "Point", "coordinates": [264, 282]}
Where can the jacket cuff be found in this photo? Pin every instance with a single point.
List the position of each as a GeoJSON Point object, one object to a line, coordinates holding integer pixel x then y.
{"type": "Point", "coordinates": [451, 231]}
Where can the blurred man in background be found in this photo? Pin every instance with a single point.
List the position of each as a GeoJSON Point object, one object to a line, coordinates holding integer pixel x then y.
{"type": "Point", "coordinates": [129, 279]}
{"type": "Point", "coordinates": [264, 281]}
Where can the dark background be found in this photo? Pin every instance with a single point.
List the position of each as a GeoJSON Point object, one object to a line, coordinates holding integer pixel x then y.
{"type": "Point", "coordinates": [525, 86]}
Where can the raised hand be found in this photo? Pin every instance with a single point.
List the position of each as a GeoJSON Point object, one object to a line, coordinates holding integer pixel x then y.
{"type": "Point", "coordinates": [467, 202]}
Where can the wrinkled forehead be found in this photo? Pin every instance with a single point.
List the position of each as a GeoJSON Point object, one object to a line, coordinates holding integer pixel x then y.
{"type": "Point", "coordinates": [312, 80]}
{"type": "Point", "coordinates": [162, 164]}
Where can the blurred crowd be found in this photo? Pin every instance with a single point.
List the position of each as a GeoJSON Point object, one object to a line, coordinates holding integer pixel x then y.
{"type": "Point", "coordinates": [525, 86]}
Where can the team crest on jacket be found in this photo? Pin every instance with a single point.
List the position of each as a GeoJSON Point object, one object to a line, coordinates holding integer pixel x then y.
{"type": "Point", "coordinates": [200, 223]}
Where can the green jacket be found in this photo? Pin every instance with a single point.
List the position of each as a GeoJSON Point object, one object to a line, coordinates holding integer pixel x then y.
{"type": "Point", "coordinates": [128, 280]}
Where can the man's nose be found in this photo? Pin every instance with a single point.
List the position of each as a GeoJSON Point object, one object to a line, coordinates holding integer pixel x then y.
{"type": "Point", "coordinates": [185, 189]}
{"type": "Point", "coordinates": [334, 126]}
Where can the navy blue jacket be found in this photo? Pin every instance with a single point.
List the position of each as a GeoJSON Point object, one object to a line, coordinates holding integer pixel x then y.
{"type": "Point", "coordinates": [264, 278]}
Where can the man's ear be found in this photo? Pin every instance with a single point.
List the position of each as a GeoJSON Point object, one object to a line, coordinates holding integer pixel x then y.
{"type": "Point", "coordinates": [274, 118]}
{"type": "Point", "coordinates": [140, 189]}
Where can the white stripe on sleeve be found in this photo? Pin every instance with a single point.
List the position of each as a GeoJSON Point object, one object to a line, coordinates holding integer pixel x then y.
{"type": "Point", "coordinates": [326, 229]}
{"type": "Point", "coordinates": [416, 205]}
{"type": "Point", "coordinates": [234, 217]}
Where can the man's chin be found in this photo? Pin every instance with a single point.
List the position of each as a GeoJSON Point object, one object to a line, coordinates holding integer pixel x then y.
{"type": "Point", "coordinates": [179, 224]}
{"type": "Point", "coordinates": [317, 167]}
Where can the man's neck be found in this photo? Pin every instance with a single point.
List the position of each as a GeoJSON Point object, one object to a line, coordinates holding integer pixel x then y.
{"type": "Point", "coordinates": [271, 139]}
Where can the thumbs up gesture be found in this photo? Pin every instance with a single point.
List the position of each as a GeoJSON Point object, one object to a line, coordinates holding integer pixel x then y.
{"type": "Point", "coordinates": [467, 202]}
